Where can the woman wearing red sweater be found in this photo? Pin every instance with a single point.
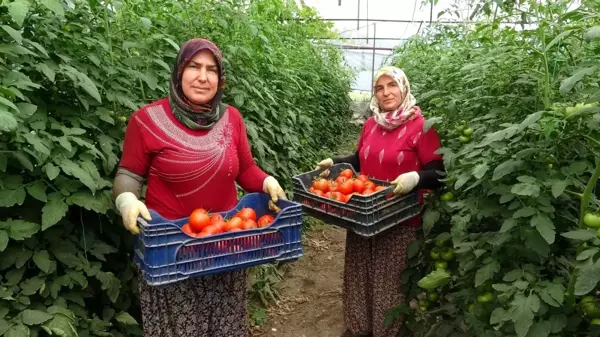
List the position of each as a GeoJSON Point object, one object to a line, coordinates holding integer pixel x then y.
{"type": "Point", "coordinates": [191, 149]}
{"type": "Point", "coordinates": [393, 146]}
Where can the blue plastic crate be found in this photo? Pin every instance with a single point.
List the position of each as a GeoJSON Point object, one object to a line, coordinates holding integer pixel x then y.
{"type": "Point", "coordinates": [165, 254]}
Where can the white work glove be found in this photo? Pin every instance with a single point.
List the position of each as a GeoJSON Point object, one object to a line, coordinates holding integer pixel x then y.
{"type": "Point", "coordinates": [406, 182]}
{"type": "Point", "coordinates": [325, 164]}
{"type": "Point", "coordinates": [272, 187]}
{"type": "Point", "coordinates": [130, 207]}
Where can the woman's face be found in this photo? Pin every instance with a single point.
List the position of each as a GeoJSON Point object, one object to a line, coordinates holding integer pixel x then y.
{"type": "Point", "coordinates": [388, 93]}
{"type": "Point", "coordinates": [200, 78]}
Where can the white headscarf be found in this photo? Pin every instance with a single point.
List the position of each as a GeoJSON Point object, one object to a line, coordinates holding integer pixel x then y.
{"type": "Point", "coordinates": [407, 109]}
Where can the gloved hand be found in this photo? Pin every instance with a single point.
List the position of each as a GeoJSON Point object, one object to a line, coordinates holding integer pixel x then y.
{"type": "Point", "coordinates": [406, 182]}
{"type": "Point", "coordinates": [325, 164]}
{"type": "Point", "coordinates": [130, 207]}
{"type": "Point", "coordinates": [272, 187]}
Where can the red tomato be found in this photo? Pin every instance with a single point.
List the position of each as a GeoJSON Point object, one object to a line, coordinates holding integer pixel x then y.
{"type": "Point", "coordinates": [340, 180]}
{"type": "Point", "coordinates": [346, 187]}
{"type": "Point", "coordinates": [202, 234]}
{"type": "Point", "coordinates": [235, 229]}
{"type": "Point", "coordinates": [266, 220]}
{"type": "Point", "coordinates": [247, 214]}
{"type": "Point", "coordinates": [347, 198]}
{"type": "Point", "coordinates": [199, 219]}
{"type": "Point", "coordinates": [321, 185]}
{"type": "Point", "coordinates": [379, 188]}
{"type": "Point", "coordinates": [187, 230]}
{"type": "Point", "coordinates": [358, 186]}
{"type": "Point", "coordinates": [319, 193]}
{"type": "Point", "coordinates": [368, 191]}
{"type": "Point", "coordinates": [233, 223]}
{"type": "Point", "coordinates": [311, 190]}
{"type": "Point", "coordinates": [220, 226]}
{"type": "Point", "coordinates": [327, 195]}
{"type": "Point", "coordinates": [369, 185]}
{"type": "Point", "coordinates": [362, 178]}
{"type": "Point", "coordinates": [338, 196]}
{"type": "Point", "coordinates": [249, 224]}
{"type": "Point", "coordinates": [348, 173]}
{"type": "Point", "coordinates": [215, 218]}
{"type": "Point", "coordinates": [210, 230]}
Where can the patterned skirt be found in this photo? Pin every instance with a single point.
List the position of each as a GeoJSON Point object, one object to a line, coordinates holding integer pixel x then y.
{"type": "Point", "coordinates": [372, 280]}
{"type": "Point", "coordinates": [209, 306]}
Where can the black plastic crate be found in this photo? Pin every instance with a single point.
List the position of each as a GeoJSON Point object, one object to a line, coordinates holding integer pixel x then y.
{"type": "Point", "coordinates": [364, 215]}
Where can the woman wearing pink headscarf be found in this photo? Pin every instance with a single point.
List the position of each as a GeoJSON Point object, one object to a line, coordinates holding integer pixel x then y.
{"type": "Point", "coordinates": [393, 146]}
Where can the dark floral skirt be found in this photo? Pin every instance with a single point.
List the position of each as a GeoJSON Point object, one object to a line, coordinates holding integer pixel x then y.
{"type": "Point", "coordinates": [209, 306]}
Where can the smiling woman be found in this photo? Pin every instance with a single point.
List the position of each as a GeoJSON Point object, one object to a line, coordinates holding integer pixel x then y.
{"type": "Point", "coordinates": [192, 149]}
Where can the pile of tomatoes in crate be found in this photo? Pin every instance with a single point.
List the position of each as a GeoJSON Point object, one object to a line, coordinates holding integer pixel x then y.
{"type": "Point", "coordinates": [202, 223]}
{"type": "Point", "coordinates": [344, 186]}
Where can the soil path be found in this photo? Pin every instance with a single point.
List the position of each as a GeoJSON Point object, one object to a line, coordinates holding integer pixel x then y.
{"type": "Point", "coordinates": [311, 293]}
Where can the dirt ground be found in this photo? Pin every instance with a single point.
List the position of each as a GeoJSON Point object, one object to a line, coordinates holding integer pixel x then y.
{"type": "Point", "coordinates": [311, 293]}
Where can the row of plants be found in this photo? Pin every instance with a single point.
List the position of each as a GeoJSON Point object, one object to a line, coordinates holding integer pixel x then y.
{"type": "Point", "coordinates": [510, 246]}
{"type": "Point", "coordinates": [71, 73]}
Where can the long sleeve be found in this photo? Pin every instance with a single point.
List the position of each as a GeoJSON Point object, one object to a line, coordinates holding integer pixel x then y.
{"type": "Point", "coordinates": [250, 176]}
{"type": "Point", "coordinates": [136, 155]}
{"type": "Point", "coordinates": [429, 176]}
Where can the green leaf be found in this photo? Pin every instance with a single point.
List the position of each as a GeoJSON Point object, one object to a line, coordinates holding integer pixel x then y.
{"type": "Point", "coordinates": [51, 171]}
{"type": "Point", "coordinates": [570, 82]}
{"type": "Point", "coordinates": [20, 230]}
{"type": "Point", "coordinates": [62, 323]}
{"type": "Point", "coordinates": [588, 278]}
{"type": "Point", "coordinates": [54, 5]}
{"type": "Point", "coordinates": [435, 279]}
{"type": "Point", "coordinates": [54, 210]}
{"type": "Point", "coordinates": [18, 330]}
{"type": "Point", "coordinates": [526, 190]}
{"type": "Point", "coordinates": [558, 323]}
{"type": "Point", "coordinates": [429, 219]}
{"type": "Point", "coordinates": [540, 329]}
{"type": "Point", "coordinates": [35, 317]}
{"type": "Point", "coordinates": [524, 212]}
{"type": "Point", "coordinates": [592, 33]}
{"type": "Point", "coordinates": [3, 240]}
{"type": "Point", "coordinates": [38, 190]}
{"type": "Point", "coordinates": [16, 35]}
{"type": "Point", "coordinates": [23, 159]}
{"type": "Point", "coordinates": [557, 39]}
{"type": "Point", "coordinates": [4, 326]}
{"type": "Point", "coordinates": [111, 284]}
{"type": "Point", "coordinates": [84, 82]}
{"type": "Point", "coordinates": [8, 123]}
{"type": "Point", "coordinates": [45, 69]}
{"type": "Point", "coordinates": [26, 109]}
{"type": "Point", "coordinates": [125, 318]}
{"type": "Point", "coordinates": [76, 171]}
{"type": "Point", "coordinates": [497, 316]}
{"type": "Point", "coordinates": [580, 234]}
{"type": "Point", "coordinates": [99, 249]}
{"type": "Point", "coordinates": [486, 272]}
{"type": "Point", "coordinates": [480, 170]}
{"type": "Point", "coordinates": [535, 242]}
{"type": "Point", "coordinates": [18, 11]}
{"type": "Point", "coordinates": [545, 227]}
{"type": "Point", "coordinates": [32, 285]}
{"type": "Point", "coordinates": [505, 168]}
{"type": "Point", "coordinates": [508, 225]}
{"type": "Point", "coordinates": [558, 188]}
{"type": "Point", "coordinates": [14, 276]}
{"type": "Point", "coordinates": [586, 254]}
{"type": "Point", "coordinates": [42, 260]}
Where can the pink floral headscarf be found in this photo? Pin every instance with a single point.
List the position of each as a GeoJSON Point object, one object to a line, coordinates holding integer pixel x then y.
{"type": "Point", "coordinates": [407, 109]}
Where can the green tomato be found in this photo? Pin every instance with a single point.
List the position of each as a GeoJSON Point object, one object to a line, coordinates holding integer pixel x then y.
{"type": "Point", "coordinates": [485, 298]}
{"type": "Point", "coordinates": [595, 321]}
{"type": "Point", "coordinates": [471, 307]}
{"type": "Point", "coordinates": [433, 297]}
{"type": "Point", "coordinates": [447, 255]}
{"type": "Point", "coordinates": [468, 132]}
{"type": "Point", "coordinates": [588, 299]}
{"type": "Point", "coordinates": [464, 139]}
{"type": "Point", "coordinates": [439, 243]}
{"type": "Point", "coordinates": [591, 220]}
{"type": "Point", "coordinates": [122, 119]}
{"type": "Point", "coordinates": [422, 308]}
{"type": "Point", "coordinates": [550, 166]}
{"type": "Point", "coordinates": [460, 128]}
{"type": "Point", "coordinates": [598, 233]}
{"type": "Point", "coordinates": [424, 303]}
{"type": "Point", "coordinates": [434, 254]}
{"type": "Point", "coordinates": [447, 196]}
{"type": "Point", "coordinates": [441, 265]}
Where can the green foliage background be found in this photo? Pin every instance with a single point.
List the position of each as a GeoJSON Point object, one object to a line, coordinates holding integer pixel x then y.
{"type": "Point", "coordinates": [71, 72]}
